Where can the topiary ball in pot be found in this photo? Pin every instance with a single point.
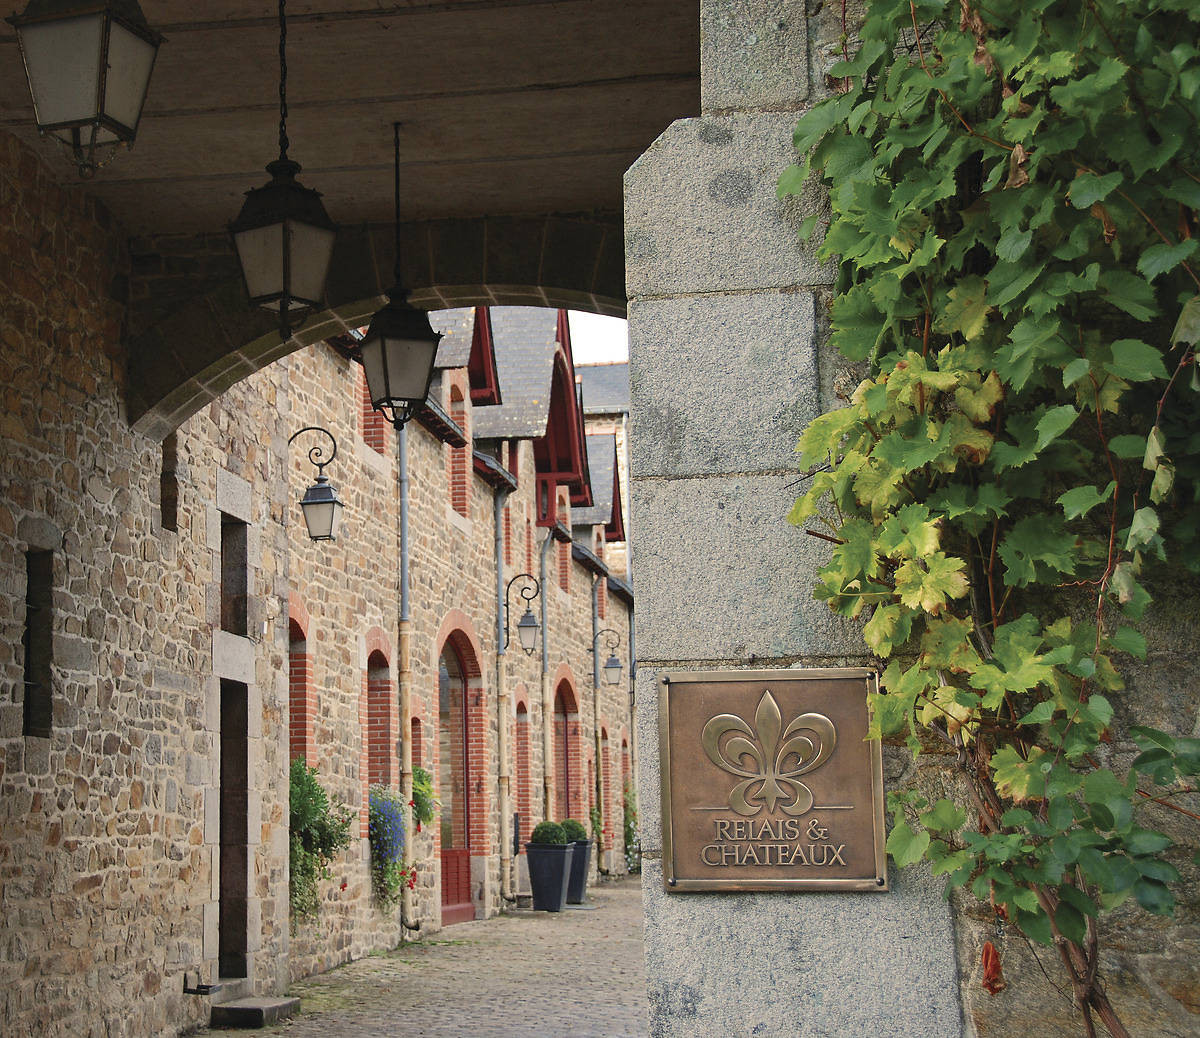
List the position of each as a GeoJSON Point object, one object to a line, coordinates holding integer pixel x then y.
{"type": "Point", "coordinates": [548, 833]}
{"type": "Point", "coordinates": [574, 830]}
{"type": "Point", "coordinates": [549, 857]}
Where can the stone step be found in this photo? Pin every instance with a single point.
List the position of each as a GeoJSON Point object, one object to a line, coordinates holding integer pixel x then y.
{"type": "Point", "coordinates": [253, 1012]}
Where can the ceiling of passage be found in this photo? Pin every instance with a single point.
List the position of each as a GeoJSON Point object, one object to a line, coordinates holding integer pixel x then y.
{"type": "Point", "coordinates": [506, 106]}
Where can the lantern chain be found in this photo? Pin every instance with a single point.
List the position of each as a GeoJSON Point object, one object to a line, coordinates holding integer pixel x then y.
{"type": "Point", "coordinates": [283, 109]}
{"type": "Point", "coordinates": [396, 193]}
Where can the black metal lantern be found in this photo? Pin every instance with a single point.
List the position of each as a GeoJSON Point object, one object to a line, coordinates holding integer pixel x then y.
{"type": "Point", "coordinates": [284, 237]}
{"type": "Point", "coordinates": [612, 666]}
{"type": "Point", "coordinates": [527, 626]}
{"type": "Point", "coordinates": [527, 631]}
{"type": "Point", "coordinates": [88, 66]}
{"type": "Point", "coordinates": [400, 346]}
{"type": "Point", "coordinates": [320, 504]}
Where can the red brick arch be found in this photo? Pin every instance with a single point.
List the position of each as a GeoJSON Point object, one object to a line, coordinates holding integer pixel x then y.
{"type": "Point", "coordinates": [298, 612]}
{"type": "Point", "coordinates": [302, 696]}
{"type": "Point", "coordinates": [458, 629]}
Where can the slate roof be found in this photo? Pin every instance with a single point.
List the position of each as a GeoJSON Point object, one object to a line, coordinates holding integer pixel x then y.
{"type": "Point", "coordinates": [602, 460]}
{"type": "Point", "coordinates": [458, 327]}
{"type": "Point", "coordinates": [524, 339]}
{"type": "Point", "coordinates": [605, 388]}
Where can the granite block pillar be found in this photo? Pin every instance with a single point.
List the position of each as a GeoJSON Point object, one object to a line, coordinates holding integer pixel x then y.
{"type": "Point", "coordinates": [726, 367]}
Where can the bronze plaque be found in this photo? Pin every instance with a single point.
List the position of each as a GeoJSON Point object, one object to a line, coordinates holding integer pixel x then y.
{"type": "Point", "coordinates": [768, 782]}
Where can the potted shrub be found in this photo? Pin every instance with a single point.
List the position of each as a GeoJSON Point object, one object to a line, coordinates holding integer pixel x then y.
{"type": "Point", "coordinates": [549, 855]}
{"type": "Point", "coordinates": [580, 860]}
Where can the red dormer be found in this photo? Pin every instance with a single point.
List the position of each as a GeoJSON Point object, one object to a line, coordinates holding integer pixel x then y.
{"type": "Point", "coordinates": [560, 456]}
{"type": "Point", "coordinates": [481, 368]}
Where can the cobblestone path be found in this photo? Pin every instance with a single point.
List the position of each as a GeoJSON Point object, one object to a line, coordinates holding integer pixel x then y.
{"type": "Point", "coordinates": [577, 972]}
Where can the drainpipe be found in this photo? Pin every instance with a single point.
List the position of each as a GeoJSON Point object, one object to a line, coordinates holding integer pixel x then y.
{"type": "Point", "coordinates": [502, 707]}
{"type": "Point", "coordinates": [596, 717]}
{"type": "Point", "coordinates": [404, 676]}
{"type": "Point", "coordinates": [547, 702]}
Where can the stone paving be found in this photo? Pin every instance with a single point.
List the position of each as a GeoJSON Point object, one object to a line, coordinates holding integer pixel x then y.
{"type": "Point", "coordinates": [577, 972]}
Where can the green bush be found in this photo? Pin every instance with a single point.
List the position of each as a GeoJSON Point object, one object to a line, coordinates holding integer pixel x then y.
{"type": "Point", "coordinates": [319, 829]}
{"type": "Point", "coordinates": [548, 833]}
{"type": "Point", "coordinates": [574, 830]}
{"type": "Point", "coordinates": [424, 803]}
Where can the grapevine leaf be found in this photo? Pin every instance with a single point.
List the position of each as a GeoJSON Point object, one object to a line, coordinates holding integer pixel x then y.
{"type": "Point", "coordinates": [1135, 361]}
{"type": "Point", "coordinates": [1187, 328]}
{"type": "Point", "coordinates": [905, 846]}
{"type": "Point", "coordinates": [1080, 500]}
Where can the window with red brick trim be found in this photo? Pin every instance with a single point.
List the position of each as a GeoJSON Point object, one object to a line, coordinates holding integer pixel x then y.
{"type": "Point", "coordinates": [602, 590]}
{"type": "Point", "coordinates": [460, 458]}
{"type": "Point", "coordinates": [418, 749]}
{"type": "Point", "coordinates": [569, 792]}
{"type": "Point", "coordinates": [606, 805]}
{"type": "Point", "coordinates": [374, 425]}
{"type": "Point", "coordinates": [528, 543]}
{"type": "Point", "coordinates": [302, 698]}
{"type": "Point", "coordinates": [524, 790]}
{"type": "Point", "coordinates": [382, 724]}
{"type": "Point", "coordinates": [564, 549]}
{"type": "Point", "coordinates": [508, 546]}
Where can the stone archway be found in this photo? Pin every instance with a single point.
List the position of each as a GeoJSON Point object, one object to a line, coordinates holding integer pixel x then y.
{"type": "Point", "coordinates": [194, 336]}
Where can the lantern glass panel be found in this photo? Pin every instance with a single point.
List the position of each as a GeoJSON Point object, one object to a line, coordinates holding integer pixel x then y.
{"type": "Point", "coordinates": [612, 671]}
{"type": "Point", "coordinates": [62, 58]}
{"type": "Point", "coordinates": [130, 61]}
{"type": "Point", "coordinates": [527, 631]}
{"type": "Point", "coordinates": [322, 519]}
{"type": "Point", "coordinates": [310, 251]}
{"type": "Point", "coordinates": [408, 365]}
{"type": "Point", "coordinates": [260, 251]}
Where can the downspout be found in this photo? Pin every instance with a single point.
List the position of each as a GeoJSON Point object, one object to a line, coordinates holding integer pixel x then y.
{"type": "Point", "coordinates": [547, 702]}
{"type": "Point", "coordinates": [502, 709]}
{"type": "Point", "coordinates": [404, 676]}
{"type": "Point", "coordinates": [596, 718]}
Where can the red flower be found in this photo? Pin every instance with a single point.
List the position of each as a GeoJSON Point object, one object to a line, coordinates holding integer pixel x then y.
{"type": "Point", "coordinates": [343, 884]}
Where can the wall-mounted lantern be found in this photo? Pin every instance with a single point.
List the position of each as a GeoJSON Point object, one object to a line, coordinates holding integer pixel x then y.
{"type": "Point", "coordinates": [88, 66]}
{"type": "Point", "coordinates": [283, 236]}
{"type": "Point", "coordinates": [400, 346]}
{"type": "Point", "coordinates": [320, 504]}
{"type": "Point", "coordinates": [612, 666]}
{"type": "Point", "coordinates": [527, 626]}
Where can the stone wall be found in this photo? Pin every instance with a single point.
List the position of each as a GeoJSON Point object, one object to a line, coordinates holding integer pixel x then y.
{"type": "Point", "coordinates": [103, 866]}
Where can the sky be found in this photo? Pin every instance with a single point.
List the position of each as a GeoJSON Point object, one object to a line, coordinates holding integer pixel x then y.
{"type": "Point", "coordinates": [598, 340]}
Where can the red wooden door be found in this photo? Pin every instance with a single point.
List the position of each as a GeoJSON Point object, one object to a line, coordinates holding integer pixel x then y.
{"type": "Point", "coordinates": [454, 787]}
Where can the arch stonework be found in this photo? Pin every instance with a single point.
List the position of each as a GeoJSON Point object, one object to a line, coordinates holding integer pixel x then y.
{"type": "Point", "coordinates": [564, 675]}
{"type": "Point", "coordinates": [459, 631]}
{"type": "Point", "coordinates": [298, 612]}
{"type": "Point", "coordinates": [195, 336]}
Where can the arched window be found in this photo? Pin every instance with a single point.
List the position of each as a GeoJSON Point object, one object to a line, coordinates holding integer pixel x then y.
{"type": "Point", "coordinates": [454, 789]}
{"type": "Point", "coordinates": [382, 723]}
{"type": "Point", "coordinates": [460, 457]}
{"type": "Point", "coordinates": [564, 548]}
{"type": "Point", "coordinates": [374, 425]}
{"type": "Point", "coordinates": [302, 700]}
{"type": "Point", "coordinates": [569, 799]}
{"type": "Point", "coordinates": [418, 760]}
{"type": "Point", "coordinates": [606, 804]}
{"type": "Point", "coordinates": [523, 790]}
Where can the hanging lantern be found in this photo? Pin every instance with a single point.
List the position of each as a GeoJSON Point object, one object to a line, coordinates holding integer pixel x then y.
{"type": "Point", "coordinates": [284, 242]}
{"type": "Point", "coordinates": [88, 66]}
{"type": "Point", "coordinates": [612, 670]}
{"type": "Point", "coordinates": [397, 355]}
{"type": "Point", "coordinates": [322, 510]}
{"type": "Point", "coordinates": [283, 236]}
{"type": "Point", "coordinates": [527, 631]}
{"type": "Point", "coordinates": [320, 505]}
{"type": "Point", "coordinates": [400, 346]}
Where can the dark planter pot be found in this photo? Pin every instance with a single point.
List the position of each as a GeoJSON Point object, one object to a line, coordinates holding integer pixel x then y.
{"type": "Point", "coordinates": [549, 873]}
{"type": "Point", "coordinates": [580, 864]}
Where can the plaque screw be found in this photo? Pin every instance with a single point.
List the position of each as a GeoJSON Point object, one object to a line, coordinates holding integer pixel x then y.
{"type": "Point", "coordinates": [673, 882]}
{"type": "Point", "coordinates": [879, 881]}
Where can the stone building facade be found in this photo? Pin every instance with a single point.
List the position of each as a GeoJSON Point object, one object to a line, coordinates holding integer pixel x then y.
{"type": "Point", "coordinates": [162, 601]}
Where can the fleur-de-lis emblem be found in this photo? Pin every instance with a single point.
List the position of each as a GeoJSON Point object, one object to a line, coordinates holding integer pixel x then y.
{"type": "Point", "coordinates": [770, 763]}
